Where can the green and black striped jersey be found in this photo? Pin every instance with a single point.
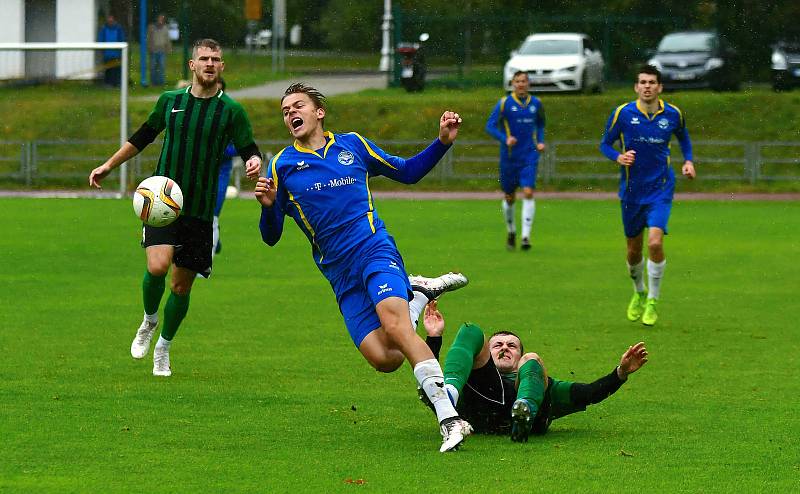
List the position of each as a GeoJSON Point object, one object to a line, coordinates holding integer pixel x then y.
{"type": "Point", "coordinates": [197, 131]}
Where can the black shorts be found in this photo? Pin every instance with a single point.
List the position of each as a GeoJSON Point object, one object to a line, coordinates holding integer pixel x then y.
{"type": "Point", "coordinates": [192, 239]}
{"type": "Point", "coordinates": [487, 398]}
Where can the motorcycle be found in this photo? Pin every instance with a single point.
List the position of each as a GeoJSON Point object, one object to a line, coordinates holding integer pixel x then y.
{"type": "Point", "coordinates": [412, 64]}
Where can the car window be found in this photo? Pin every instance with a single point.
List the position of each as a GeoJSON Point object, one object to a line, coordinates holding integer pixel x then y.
{"type": "Point", "coordinates": [687, 42]}
{"type": "Point", "coordinates": [551, 47]}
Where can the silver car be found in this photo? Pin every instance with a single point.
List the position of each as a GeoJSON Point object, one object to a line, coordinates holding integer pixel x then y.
{"type": "Point", "coordinates": [557, 62]}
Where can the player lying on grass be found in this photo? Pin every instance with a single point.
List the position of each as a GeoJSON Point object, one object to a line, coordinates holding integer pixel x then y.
{"type": "Point", "coordinates": [500, 389]}
{"type": "Point", "coordinates": [321, 181]}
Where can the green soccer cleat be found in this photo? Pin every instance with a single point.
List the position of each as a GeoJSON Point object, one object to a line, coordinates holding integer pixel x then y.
{"type": "Point", "coordinates": [636, 305]}
{"type": "Point", "coordinates": [650, 315]}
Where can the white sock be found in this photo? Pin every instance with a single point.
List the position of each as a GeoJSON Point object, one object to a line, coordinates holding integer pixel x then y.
{"type": "Point", "coordinates": [416, 306]}
{"type": "Point", "coordinates": [508, 215]}
{"type": "Point", "coordinates": [214, 235]}
{"type": "Point", "coordinates": [163, 345]}
{"type": "Point", "coordinates": [636, 272]}
{"type": "Point", "coordinates": [151, 318]}
{"type": "Point", "coordinates": [431, 379]}
{"type": "Point", "coordinates": [655, 270]}
{"type": "Point", "coordinates": [528, 212]}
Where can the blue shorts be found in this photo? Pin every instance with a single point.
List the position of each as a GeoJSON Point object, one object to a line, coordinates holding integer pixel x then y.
{"type": "Point", "coordinates": [514, 174]}
{"type": "Point", "coordinates": [373, 277]}
{"type": "Point", "coordinates": [636, 217]}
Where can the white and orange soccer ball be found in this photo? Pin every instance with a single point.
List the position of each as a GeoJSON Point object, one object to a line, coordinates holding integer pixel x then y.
{"type": "Point", "coordinates": [158, 201]}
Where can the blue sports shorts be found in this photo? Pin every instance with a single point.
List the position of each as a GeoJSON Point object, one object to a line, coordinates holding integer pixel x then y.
{"type": "Point", "coordinates": [636, 217]}
{"type": "Point", "coordinates": [514, 174]}
{"type": "Point", "coordinates": [373, 277]}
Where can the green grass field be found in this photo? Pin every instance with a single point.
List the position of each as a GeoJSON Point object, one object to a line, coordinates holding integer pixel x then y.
{"type": "Point", "coordinates": [269, 395]}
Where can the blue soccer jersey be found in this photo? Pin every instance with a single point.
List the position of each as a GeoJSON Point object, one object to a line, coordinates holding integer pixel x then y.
{"type": "Point", "coordinates": [326, 192]}
{"type": "Point", "coordinates": [651, 178]}
{"type": "Point", "coordinates": [523, 119]}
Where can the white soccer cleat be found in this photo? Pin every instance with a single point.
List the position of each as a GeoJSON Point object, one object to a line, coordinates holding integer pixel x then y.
{"type": "Point", "coordinates": [141, 342]}
{"type": "Point", "coordinates": [454, 431]}
{"type": "Point", "coordinates": [161, 363]}
{"type": "Point", "coordinates": [433, 288]}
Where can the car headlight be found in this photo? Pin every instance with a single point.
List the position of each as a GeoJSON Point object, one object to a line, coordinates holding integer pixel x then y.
{"type": "Point", "coordinates": [779, 61]}
{"type": "Point", "coordinates": [655, 63]}
{"type": "Point", "coordinates": [714, 63]}
{"type": "Point", "coordinates": [571, 68]}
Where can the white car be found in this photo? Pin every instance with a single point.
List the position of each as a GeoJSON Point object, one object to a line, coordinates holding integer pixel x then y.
{"type": "Point", "coordinates": [557, 62]}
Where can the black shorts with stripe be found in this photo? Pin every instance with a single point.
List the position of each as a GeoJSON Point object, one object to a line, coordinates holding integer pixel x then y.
{"type": "Point", "coordinates": [192, 239]}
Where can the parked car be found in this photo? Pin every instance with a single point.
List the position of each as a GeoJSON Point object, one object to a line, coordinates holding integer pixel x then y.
{"type": "Point", "coordinates": [557, 62]}
{"type": "Point", "coordinates": [261, 39]}
{"type": "Point", "coordinates": [785, 65]}
{"type": "Point", "coordinates": [697, 59]}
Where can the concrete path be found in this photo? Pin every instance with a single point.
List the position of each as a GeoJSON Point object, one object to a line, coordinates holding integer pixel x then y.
{"type": "Point", "coordinates": [329, 85]}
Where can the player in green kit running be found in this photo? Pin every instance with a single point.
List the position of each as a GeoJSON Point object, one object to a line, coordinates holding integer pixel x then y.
{"type": "Point", "coordinates": [199, 121]}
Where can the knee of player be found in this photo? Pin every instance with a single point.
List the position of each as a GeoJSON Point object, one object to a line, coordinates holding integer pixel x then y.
{"type": "Point", "coordinates": [158, 266]}
{"type": "Point", "coordinates": [655, 243]}
{"type": "Point", "coordinates": [180, 288]}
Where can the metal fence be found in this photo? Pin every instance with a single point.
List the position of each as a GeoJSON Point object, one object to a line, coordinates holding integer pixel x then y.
{"type": "Point", "coordinates": [66, 163]}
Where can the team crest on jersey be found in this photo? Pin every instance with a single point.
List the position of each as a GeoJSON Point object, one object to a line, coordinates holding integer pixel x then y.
{"type": "Point", "coordinates": [302, 165]}
{"type": "Point", "coordinates": [663, 124]}
{"type": "Point", "coordinates": [346, 158]}
{"type": "Point", "coordinates": [532, 109]}
{"type": "Point", "coordinates": [635, 121]}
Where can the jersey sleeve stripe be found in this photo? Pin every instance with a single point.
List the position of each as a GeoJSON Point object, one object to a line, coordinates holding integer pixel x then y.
{"type": "Point", "coordinates": [272, 167]}
{"type": "Point", "coordinates": [371, 152]}
{"type": "Point", "coordinates": [616, 116]}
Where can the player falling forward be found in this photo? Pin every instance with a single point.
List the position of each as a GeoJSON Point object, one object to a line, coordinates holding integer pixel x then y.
{"type": "Point", "coordinates": [321, 181]}
{"type": "Point", "coordinates": [501, 389]}
{"type": "Point", "coordinates": [644, 128]}
{"type": "Point", "coordinates": [199, 121]}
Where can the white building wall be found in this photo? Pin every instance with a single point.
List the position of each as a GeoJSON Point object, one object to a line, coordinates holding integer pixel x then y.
{"type": "Point", "coordinates": [76, 21]}
{"type": "Point", "coordinates": [12, 64]}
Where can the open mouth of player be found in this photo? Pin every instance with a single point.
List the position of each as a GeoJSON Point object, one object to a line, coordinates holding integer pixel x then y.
{"type": "Point", "coordinates": [296, 122]}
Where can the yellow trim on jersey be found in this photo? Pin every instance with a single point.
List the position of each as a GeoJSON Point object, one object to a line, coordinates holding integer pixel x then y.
{"type": "Point", "coordinates": [680, 113]}
{"type": "Point", "coordinates": [616, 116]}
{"type": "Point", "coordinates": [528, 100]}
{"type": "Point", "coordinates": [331, 140]}
{"type": "Point", "coordinates": [503, 103]}
{"type": "Point", "coordinates": [644, 112]}
{"type": "Point", "coordinates": [371, 152]}
{"type": "Point", "coordinates": [370, 214]}
{"type": "Point", "coordinates": [272, 167]}
{"type": "Point", "coordinates": [302, 216]}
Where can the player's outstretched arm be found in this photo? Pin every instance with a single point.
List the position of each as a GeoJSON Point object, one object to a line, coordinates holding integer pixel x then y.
{"type": "Point", "coordinates": [433, 320]}
{"type": "Point", "coordinates": [448, 127]}
{"type": "Point", "coordinates": [632, 360]}
{"type": "Point", "coordinates": [126, 152]}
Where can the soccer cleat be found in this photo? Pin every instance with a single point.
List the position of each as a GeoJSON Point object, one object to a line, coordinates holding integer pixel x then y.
{"type": "Point", "coordinates": [141, 342]}
{"type": "Point", "coordinates": [525, 244]}
{"type": "Point", "coordinates": [433, 288]}
{"type": "Point", "coordinates": [161, 363]}
{"type": "Point", "coordinates": [511, 241]}
{"type": "Point", "coordinates": [636, 306]}
{"type": "Point", "coordinates": [650, 315]}
{"type": "Point", "coordinates": [454, 431]}
{"type": "Point", "coordinates": [521, 421]}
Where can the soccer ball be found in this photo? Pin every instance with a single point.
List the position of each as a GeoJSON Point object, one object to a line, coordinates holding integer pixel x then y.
{"type": "Point", "coordinates": [158, 201]}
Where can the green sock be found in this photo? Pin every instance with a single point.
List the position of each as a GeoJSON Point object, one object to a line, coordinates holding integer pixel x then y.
{"type": "Point", "coordinates": [531, 384]}
{"type": "Point", "coordinates": [152, 291]}
{"type": "Point", "coordinates": [458, 364]}
{"type": "Point", "coordinates": [174, 311]}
